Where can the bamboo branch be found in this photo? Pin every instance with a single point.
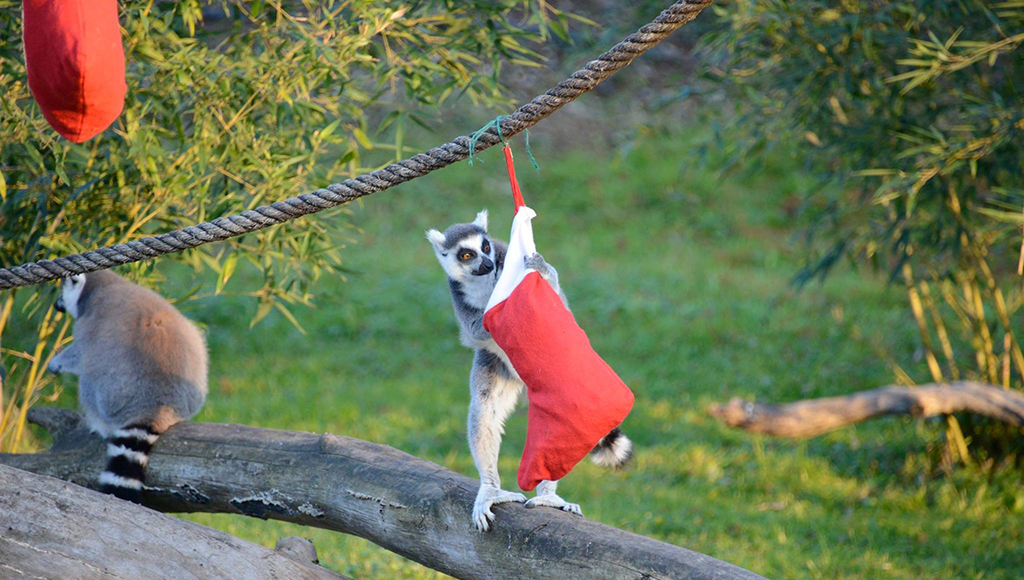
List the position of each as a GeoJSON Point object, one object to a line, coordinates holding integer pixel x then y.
{"type": "Point", "coordinates": [816, 416]}
{"type": "Point", "coordinates": [415, 508]}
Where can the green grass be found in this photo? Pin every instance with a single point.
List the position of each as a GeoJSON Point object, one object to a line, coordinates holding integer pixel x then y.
{"type": "Point", "coordinates": [683, 283]}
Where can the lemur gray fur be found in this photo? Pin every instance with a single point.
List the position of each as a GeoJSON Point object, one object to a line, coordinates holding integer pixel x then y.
{"type": "Point", "coordinates": [141, 366]}
{"type": "Point", "coordinates": [473, 262]}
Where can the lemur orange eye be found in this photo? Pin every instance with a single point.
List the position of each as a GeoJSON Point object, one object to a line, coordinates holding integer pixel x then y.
{"type": "Point", "coordinates": [466, 255]}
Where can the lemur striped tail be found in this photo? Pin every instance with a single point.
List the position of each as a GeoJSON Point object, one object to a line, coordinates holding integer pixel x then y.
{"type": "Point", "coordinates": [127, 456]}
{"type": "Point", "coordinates": [614, 450]}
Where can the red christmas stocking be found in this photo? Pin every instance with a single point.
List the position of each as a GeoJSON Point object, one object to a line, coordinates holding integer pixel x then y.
{"type": "Point", "coordinates": [575, 397]}
{"type": "Point", "coordinates": [75, 64]}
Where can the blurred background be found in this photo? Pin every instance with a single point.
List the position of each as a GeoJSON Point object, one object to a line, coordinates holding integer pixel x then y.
{"type": "Point", "coordinates": [784, 200]}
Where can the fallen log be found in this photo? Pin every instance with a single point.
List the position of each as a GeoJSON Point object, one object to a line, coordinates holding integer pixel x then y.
{"type": "Point", "coordinates": [51, 529]}
{"type": "Point", "coordinates": [816, 416]}
{"type": "Point", "coordinates": [412, 507]}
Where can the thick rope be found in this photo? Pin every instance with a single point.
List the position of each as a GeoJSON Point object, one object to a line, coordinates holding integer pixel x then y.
{"type": "Point", "coordinates": [528, 115]}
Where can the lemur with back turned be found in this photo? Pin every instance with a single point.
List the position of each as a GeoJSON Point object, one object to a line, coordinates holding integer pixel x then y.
{"type": "Point", "coordinates": [141, 366]}
{"type": "Point", "coordinates": [473, 262]}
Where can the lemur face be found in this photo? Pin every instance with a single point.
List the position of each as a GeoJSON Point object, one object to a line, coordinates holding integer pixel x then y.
{"type": "Point", "coordinates": [473, 255]}
{"type": "Point", "coordinates": [464, 250]}
{"type": "Point", "coordinates": [70, 292]}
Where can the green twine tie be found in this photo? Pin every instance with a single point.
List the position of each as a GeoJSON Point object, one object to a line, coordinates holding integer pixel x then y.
{"type": "Point", "coordinates": [496, 123]}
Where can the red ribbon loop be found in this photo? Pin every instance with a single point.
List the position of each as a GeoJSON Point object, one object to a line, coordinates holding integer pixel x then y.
{"type": "Point", "coordinates": [516, 194]}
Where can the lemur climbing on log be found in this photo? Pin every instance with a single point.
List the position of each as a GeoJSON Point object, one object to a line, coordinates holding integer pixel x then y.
{"type": "Point", "coordinates": [473, 261]}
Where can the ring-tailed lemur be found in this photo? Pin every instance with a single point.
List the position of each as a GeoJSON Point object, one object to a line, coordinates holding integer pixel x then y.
{"type": "Point", "coordinates": [473, 262]}
{"type": "Point", "coordinates": [141, 368]}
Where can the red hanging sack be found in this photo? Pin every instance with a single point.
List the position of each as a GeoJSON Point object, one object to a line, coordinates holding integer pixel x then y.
{"type": "Point", "coordinates": [75, 64]}
{"type": "Point", "coordinates": [575, 397]}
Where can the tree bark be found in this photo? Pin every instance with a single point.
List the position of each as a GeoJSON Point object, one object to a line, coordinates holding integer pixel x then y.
{"type": "Point", "coordinates": [51, 529]}
{"type": "Point", "coordinates": [415, 508]}
{"type": "Point", "coordinates": [816, 416]}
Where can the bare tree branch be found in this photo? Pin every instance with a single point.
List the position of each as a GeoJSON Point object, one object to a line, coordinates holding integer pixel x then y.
{"type": "Point", "coordinates": [816, 416]}
{"type": "Point", "coordinates": [410, 506]}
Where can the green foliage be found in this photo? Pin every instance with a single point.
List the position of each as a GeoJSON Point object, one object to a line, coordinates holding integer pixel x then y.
{"type": "Point", "coordinates": [236, 104]}
{"type": "Point", "coordinates": [917, 110]}
{"type": "Point", "coordinates": [242, 103]}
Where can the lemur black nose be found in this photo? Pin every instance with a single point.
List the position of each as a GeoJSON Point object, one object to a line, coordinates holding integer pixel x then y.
{"type": "Point", "coordinates": [486, 267]}
{"type": "Point", "coordinates": [60, 304]}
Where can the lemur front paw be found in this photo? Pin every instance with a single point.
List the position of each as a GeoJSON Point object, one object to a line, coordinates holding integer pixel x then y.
{"type": "Point", "coordinates": [536, 262]}
{"type": "Point", "coordinates": [552, 500]}
{"type": "Point", "coordinates": [486, 497]}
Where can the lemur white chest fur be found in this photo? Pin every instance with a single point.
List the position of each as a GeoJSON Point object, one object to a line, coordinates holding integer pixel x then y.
{"type": "Point", "coordinates": [473, 262]}
{"type": "Point", "coordinates": [469, 299]}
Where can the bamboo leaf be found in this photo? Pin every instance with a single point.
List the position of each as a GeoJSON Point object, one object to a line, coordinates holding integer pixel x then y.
{"type": "Point", "coordinates": [361, 137]}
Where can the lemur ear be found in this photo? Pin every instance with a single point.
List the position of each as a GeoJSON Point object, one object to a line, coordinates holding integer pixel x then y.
{"type": "Point", "coordinates": [436, 239]}
{"type": "Point", "coordinates": [481, 220]}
